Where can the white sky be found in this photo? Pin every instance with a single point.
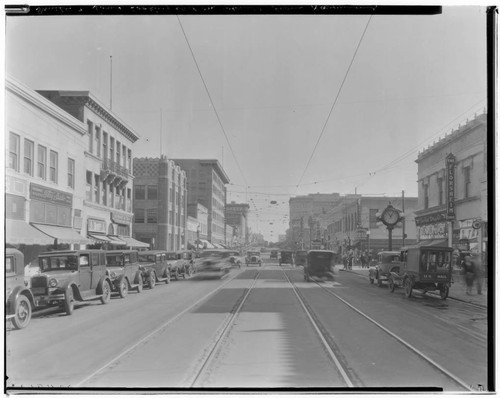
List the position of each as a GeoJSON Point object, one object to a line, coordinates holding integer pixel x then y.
{"type": "Point", "coordinates": [273, 80]}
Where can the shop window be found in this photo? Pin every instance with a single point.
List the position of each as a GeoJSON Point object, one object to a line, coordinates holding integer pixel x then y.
{"type": "Point", "coordinates": [42, 162]}
{"type": "Point", "coordinates": [29, 154]}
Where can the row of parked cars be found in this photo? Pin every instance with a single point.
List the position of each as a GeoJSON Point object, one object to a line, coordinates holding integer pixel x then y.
{"type": "Point", "coordinates": [66, 277]}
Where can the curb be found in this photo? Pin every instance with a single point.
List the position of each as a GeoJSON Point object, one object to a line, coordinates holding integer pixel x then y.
{"type": "Point", "coordinates": [450, 296]}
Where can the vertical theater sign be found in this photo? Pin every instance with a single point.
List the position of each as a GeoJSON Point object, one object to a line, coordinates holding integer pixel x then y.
{"type": "Point", "coordinates": [450, 195]}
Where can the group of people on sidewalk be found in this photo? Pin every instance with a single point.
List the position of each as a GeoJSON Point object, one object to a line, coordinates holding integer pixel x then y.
{"type": "Point", "coordinates": [351, 257]}
{"type": "Point", "coordinates": [472, 271]}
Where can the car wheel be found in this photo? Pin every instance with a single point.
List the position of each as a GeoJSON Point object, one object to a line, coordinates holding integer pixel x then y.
{"type": "Point", "coordinates": [106, 292]}
{"type": "Point", "coordinates": [408, 287]}
{"type": "Point", "coordinates": [123, 288]}
{"type": "Point", "coordinates": [69, 302]}
{"type": "Point", "coordinates": [140, 285]}
{"type": "Point", "coordinates": [392, 285]}
{"type": "Point", "coordinates": [152, 280]}
{"type": "Point", "coordinates": [443, 291]}
{"type": "Point", "coordinates": [22, 311]}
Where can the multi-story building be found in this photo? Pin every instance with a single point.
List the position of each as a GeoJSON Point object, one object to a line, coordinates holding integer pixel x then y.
{"type": "Point", "coordinates": [200, 214]}
{"type": "Point", "coordinates": [160, 203]}
{"type": "Point", "coordinates": [58, 176]}
{"type": "Point", "coordinates": [237, 217]}
{"type": "Point", "coordinates": [230, 238]}
{"type": "Point", "coordinates": [206, 182]}
{"type": "Point", "coordinates": [107, 205]}
{"type": "Point", "coordinates": [353, 224]}
{"type": "Point", "coordinates": [452, 191]}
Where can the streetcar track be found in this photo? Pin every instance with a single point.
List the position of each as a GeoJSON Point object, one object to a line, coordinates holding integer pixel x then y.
{"type": "Point", "coordinates": [223, 333]}
{"type": "Point", "coordinates": [111, 363]}
{"type": "Point", "coordinates": [416, 351]}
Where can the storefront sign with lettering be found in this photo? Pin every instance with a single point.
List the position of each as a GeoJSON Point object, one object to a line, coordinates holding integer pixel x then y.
{"type": "Point", "coordinates": [450, 186]}
{"type": "Point", "coordinates": [430, 218]}
{"type": "Point", "coordinates": [432, 231]}
{"type": "Point", "coordinates": [53, 196]}
{"type": "Point", "coordinates": [120, 218]}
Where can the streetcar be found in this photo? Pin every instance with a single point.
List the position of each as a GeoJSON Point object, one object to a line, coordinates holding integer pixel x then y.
{"type": "Point", "coordinates": [286, 257]}
{"type": "Point", "coordinates": [425, 268]}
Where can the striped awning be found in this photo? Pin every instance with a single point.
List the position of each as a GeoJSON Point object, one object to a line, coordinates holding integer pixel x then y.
{"type": "Point", "coordinates": [114, 240]}
{"type": "Point", "coordinates": [131, 242]}
{"type": "Point", "coordinates": [20, 232]}
{"type": "Point", "coordinates": [100, 238]}
{"type": "Point", "coordinates": [63, 234]}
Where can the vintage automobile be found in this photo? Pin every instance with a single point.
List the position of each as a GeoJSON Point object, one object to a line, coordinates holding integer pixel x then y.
{"type": "Point", "coordinates": [301, 257]}
{"type": "Point", "coordinates": [183, 266]}
{"type": "Point", "coordinates": [71, 275]}
{"type": "Point", "coordinates": [124, 271]}
{"type": "Point", "coordinates": [320, 264]}
{"type": "Point", "coordinates": [286, 257]}
{"type": "Point", "coordinates": [426, 268]}
{"type": "Point", "coordinates": [387, 262]}
{"type": "Point", "coordinates": [234, 258]}
{"type": "Point", "coordinates": [19, 300]}
{"type": "Point", "coordinates": [274, 254]}
{"type": "Point", "coordinates": [154, 267]}
{"type": "Point", "coordinates": [213, 262]}
{"type": "Point", "coordinates": [253, 257]}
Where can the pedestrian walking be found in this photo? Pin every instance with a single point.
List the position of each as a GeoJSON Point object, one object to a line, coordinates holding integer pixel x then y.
{"type": "Point", "coordinates": [478, 273]}
{"type": "Point", "coordinates": [469, 274]}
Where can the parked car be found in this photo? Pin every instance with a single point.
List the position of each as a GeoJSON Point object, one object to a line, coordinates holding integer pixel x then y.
{"type": "Point", "coordinates": [31, 270]}
{"type": "Point", "coordinates": [387, 262]}
{"type": "Point", "coordinates": [183, 266]}
{"type": "Point", "coordinates": [19, 300]}
{"type": "Point", "coordinates": [154, 267]}
{"type": "Point", "coordinates": [253, 257]}
{"type": "Point", "coordinates": [69, 276]}
{"type": "Point", "coordinates": [124, 271]}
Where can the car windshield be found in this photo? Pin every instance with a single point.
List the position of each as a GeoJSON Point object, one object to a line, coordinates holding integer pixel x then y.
{"type": "Point", "coordinates": [58, 262]}
{"type": "Point", "coordinates": [389, 258]}
{"type": "Point", "coordinates": [114, 260]}
{"type": "Point", "coordinates": [147, 258]}
{"type": "Point", "coordinates": [435, 260]}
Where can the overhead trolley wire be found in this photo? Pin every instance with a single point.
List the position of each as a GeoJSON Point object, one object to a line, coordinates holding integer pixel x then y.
{"type": "Point", "coordinates": [211, 101]}
{"type": "Point", "coordinates": [335, 101]}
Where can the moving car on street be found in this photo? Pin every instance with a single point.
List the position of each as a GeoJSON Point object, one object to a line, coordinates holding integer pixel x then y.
{"type": "Point", "coordinates": [154, 267]}
{"type": "Point", "coordinates": [320, 264]}
{"type": "Point", "coordinates": [427, 268]}
{"type": "Point", "coordinates": [124, 271]}
{"type": "Point", "coordinates": [213, 262]}
{"type": "Point", "coordinates": [69, 276]}
{"type": "Point", "coordinates": [301, 257]}
{"type": "Point", "coordinates": [286, 257]}
{"type": "Point", "coordinates": [18, 298]}
{"type": "Point", "coordinates": [387, 262]}
{"type": "Point", "coordinates": [234, 258]}
{"type": "Point", "coordinates": [253, 257]}
{"type": "Point", "coordinates": [183, 266]}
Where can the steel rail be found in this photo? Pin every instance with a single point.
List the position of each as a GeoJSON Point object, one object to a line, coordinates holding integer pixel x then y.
{"type": "Point", "coordinates": [223, 332]}
{"type": "Point", "coordinates": [448, 374]}
{"type": "Point", "coordinates": [334, 358]}
{"type": "Point", "coordinates": [156, 331]}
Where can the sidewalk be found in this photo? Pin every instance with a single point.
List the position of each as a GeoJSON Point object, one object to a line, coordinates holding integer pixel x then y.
{"type": "Point", "coordinates": [457, 289]}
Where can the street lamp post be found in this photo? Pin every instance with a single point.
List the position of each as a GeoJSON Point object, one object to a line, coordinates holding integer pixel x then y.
{"type": "Point", "coordinates": [368, 236]}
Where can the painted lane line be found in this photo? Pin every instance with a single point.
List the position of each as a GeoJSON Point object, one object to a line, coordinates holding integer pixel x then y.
{"type": "Point", "coordinates": [154, 332]}
{"type": "Point", "coordinates": [318, 331]}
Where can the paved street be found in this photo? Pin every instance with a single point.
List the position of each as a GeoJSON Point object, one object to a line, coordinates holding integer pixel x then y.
{"type": "Point", "coordinates": [253, 331]}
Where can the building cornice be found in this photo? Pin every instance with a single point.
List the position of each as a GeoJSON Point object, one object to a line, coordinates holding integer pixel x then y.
{"type": "Point", "coordinates": [45, 105]}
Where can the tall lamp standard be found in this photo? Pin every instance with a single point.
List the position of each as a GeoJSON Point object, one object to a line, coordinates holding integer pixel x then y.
{"type": "Point", "coordinates": [368, 237]}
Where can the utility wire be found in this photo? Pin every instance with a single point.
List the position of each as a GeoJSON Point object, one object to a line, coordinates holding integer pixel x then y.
{"type": "Point", "coordinates": [211, 101]}
{"type": "Point", "coordinates": [334, 102]}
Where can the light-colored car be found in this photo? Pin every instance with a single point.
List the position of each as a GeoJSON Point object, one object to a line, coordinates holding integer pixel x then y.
{"type": "Point", "coordinates": [253, 257]}
{"type": "Point", "coordinates": [387, 262]}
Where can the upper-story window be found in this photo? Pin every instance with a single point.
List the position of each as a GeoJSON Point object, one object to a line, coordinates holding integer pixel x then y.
{"type": "Point", "coordinates": [14, 148]}
{"type": "Point", "coordinates": [426, 196]}
{"type": "Point", "coordinates": [53, 168]}
{"type": "Point", "coordinates": [42, 162]}
{"type": "Point", "coordinates": [104, 144]}
{"type": "Point", "coordinates": [71, 173]}
{"type": "Point", "coordinates": [152, 192]}
{"type": "Point", "coordinates": [118, 146]}
{"type": "Point", "coordinates": [98, 140]}
{"type": "Point", "coordinates": [140, 192]}
{"type": "Point", "coordinates": [129, 160]}
{"type": "Point", "coordinates": [467, 182]}
{"type": "Point", "coordinates": [124, 156]}
{"type": "Point", "coordinates": [111, 148]}
{"type": "Point", "coordinates": [29, 154]}
{"type": "Point", "coordinates": [90, 127]}
{"type": "Point", "coordinates": [440, 185]}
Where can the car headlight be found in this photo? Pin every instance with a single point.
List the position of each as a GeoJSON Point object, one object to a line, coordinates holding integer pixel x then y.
{"type": "Point", "coordinates": [53, 282]}
{"type": "Point", "coordinates": [112, 274]}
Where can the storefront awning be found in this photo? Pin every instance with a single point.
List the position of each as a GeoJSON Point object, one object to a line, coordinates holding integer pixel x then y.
{"type": "Point", "coordinates": [63, 234]}
{"type": "Point", "coordinates": [433, 242]}
{"type": "Point", "coordinates": [100, 238]}
{"type": "Point", "coordinates": [114, 240]}
{"type": "Point", "coordinates": [205, 243]}
{"type": "Point", "coordinates": [131, 242]}
{"type": "Point", "coordinates": [20, 232]}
